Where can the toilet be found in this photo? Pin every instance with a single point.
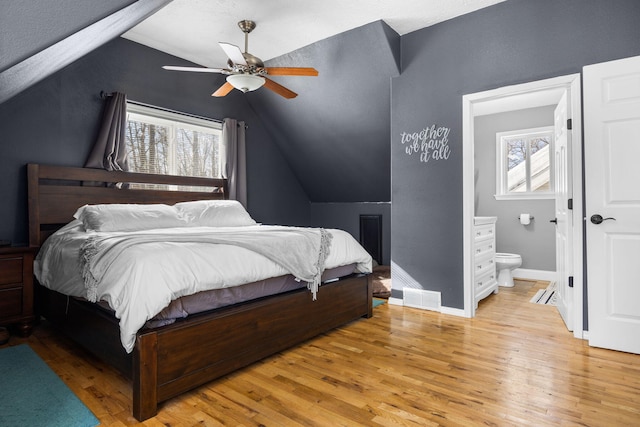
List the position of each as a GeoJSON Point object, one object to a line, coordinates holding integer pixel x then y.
{"type": "Point", "coordinates": [505, 264]}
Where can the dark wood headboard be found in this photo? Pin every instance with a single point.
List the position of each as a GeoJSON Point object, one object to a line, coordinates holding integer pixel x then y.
{"type": "Point", "coordinates": [56, 192]}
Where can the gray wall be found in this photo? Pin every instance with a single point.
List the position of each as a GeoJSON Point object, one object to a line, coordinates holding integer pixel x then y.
{"type": "Point", "coordinates": [335, 134]}
{"type": "Point", "coordinates": [535, 242]}
{"type": "Point", "coordinates": [56, 122]}
{"type": "Point", "coordinates": [512, 42]}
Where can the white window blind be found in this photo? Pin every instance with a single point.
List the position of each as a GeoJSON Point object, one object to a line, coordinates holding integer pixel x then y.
{"type": "Point", "coordinates": [163, 142]}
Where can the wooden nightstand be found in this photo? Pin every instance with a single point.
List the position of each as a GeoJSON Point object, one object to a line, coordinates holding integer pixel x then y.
{"type": "Point", "coordinates": [16, 288]}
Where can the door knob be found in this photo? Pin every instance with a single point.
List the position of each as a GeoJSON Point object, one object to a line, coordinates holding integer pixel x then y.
{"type": "Point", "coordinates": [554, 220]}
{"type": "Point", "coordinates": [597, 219]}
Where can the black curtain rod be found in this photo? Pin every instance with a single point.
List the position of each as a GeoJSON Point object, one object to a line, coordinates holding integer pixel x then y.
{"type": "Point", "coordinates": [105, 95]}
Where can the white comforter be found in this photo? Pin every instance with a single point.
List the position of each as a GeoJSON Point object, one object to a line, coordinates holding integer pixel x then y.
{"type": "Point", "coordinates": [148, 269]}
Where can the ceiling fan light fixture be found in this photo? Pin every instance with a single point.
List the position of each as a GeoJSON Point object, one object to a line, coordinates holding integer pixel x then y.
{"type": "Point", "coordinates": [245, 82]}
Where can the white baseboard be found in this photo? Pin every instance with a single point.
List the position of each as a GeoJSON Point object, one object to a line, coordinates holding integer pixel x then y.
{"type": "Point", "coordinates": [444, 310]}
{"type": "Point", "coordinates": [453, 311]}
{"type": "Point", "coordinates": [526, 273]}
{"type": "Point", "coordinates": [395, 301]}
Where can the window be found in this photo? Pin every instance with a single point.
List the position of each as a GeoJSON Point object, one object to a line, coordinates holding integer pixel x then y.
{"type": "Point", "coordinates": [525, 164]}
{"type": "Point", "coordinates": [163, 142]}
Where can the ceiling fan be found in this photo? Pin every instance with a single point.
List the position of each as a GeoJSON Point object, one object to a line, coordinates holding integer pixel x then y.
{"type": "Point", "coordinates": [247, 72]}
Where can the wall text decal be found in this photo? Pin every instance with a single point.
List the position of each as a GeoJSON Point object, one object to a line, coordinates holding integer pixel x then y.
{"type": "Point", "coordinates": [431, 143]}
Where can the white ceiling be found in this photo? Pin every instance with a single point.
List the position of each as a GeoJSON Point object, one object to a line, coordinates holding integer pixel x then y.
{"type": "Point", "coordinates": [191, 29]}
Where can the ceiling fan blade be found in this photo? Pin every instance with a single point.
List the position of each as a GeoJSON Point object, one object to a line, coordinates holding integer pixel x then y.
{"type": "Point", "coordinates": [223, 90]}
{"type": "Point", "coordinates": [195, 69]}
{"type": "Point", "coordinates": [279, 89]}
{"type": "Point", "coordinates": [233, 52]}
{"type": "Point", "coordinates": [291, 71]}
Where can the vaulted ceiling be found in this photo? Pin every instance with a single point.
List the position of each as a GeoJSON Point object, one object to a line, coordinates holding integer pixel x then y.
{"type": "Point", "coordinates": [190, 29]}
{"type": "Point", "coordinates": [335, 135]}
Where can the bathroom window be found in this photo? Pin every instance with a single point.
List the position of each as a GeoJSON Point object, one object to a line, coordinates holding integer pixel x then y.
{"type": "Point", "coordinates": [524, 161]}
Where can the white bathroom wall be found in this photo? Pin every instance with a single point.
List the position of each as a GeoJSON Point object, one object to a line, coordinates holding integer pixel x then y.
{"type": "Point", "coordinates": [535, 242]}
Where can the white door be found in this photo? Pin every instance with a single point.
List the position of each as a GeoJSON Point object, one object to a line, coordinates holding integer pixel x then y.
{"type": "Point", "coordinates": [563, 218]}
{"type": "Point", "coordinates": [612, 183]}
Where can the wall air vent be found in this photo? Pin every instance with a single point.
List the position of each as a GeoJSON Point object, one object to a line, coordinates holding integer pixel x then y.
{"type": "Point", "coordinates": [419, 298]}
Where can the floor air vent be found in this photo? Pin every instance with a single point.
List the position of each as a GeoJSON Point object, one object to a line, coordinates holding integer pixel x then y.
{"type": "Point", "coordinates": [419, 298]}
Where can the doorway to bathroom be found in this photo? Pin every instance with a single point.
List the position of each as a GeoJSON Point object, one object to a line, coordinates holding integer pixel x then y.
{"type": "Point", "coordinates": [558, 225]}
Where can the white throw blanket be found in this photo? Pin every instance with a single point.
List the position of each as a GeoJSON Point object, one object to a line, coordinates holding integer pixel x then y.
{"type": "Point", "coordinates": [300, 251]}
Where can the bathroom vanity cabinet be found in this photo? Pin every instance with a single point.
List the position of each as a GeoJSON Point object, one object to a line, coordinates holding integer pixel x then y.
{"type": "Point", "coordinates": [484, 250]}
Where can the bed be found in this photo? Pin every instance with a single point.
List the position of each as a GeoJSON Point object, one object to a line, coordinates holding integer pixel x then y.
{"type": "Point", "coordinates": [169, 360]}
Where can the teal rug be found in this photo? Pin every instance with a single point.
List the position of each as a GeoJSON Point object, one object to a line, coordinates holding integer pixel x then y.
{"type": "Point", "coordinates": [378, 301]}
{"type": "Point", "coordinates": [32, 395]}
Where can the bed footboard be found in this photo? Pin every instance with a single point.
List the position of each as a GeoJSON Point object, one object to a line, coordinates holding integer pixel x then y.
{"type": "Point", "coordinates": [171, 360]}
{"type": "Point", "coordinates": [176, 358]}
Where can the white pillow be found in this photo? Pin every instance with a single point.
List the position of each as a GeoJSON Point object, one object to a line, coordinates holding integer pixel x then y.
{"type": "Point", "coordinates": [128, 217]}
{"type": "Point", "coordinates": [214, 213]}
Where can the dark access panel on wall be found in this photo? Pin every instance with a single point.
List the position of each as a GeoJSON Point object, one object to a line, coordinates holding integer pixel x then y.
{"type": "Point", "coordinates": [371, 235]}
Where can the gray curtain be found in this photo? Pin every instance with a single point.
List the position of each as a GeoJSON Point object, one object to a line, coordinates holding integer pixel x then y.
{"type": "Point", "coordinates": [235, 163]}
{"type": "Point", "coordinates": [110, 151]}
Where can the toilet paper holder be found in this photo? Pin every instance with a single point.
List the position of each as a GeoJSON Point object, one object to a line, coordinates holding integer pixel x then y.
{"type": "Point", "coordinates": [531, 217]}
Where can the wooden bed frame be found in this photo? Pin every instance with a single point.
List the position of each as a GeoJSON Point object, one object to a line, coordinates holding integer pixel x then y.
{"type": "Point", "coordinates": [170, 360]}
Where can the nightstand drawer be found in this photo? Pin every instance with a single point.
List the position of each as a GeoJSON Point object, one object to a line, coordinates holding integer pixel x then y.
{"type": "Point", "coordinates": [16, 288]}
{"type": "Point", "coordinates": [10, 270]}
{"type": "Point", "coordinates": [11, 302]}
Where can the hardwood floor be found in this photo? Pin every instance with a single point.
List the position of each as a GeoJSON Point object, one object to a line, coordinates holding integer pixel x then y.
{"type": "Point", "coordinates": [515, 364]}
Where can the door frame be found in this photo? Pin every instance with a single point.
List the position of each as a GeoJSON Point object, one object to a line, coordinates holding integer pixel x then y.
{"type": "Point", "coordinates": [470, 104]}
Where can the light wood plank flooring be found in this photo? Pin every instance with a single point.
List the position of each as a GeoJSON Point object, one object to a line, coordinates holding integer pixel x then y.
{"type": "Point", "coordinates": [515, 364]}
